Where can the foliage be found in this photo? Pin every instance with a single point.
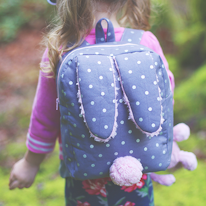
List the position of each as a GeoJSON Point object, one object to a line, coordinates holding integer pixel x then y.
{"type": "Point", "coordinates": [190, 99]}
{"type": "Point", "coordinates": [14, 14]}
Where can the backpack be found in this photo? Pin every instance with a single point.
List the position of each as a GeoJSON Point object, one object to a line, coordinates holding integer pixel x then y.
{"type": "Point", "coordinates": [115, 101]}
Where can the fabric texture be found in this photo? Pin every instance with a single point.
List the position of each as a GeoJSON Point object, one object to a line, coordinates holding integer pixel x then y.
{"type": "Point", "coordinates": [44, 125]}
{"type": "Point", "coordinates": [104, 192]}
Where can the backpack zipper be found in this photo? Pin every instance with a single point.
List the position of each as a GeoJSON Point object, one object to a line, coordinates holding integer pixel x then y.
{"type": "Point", "coordinates": [57, 99]}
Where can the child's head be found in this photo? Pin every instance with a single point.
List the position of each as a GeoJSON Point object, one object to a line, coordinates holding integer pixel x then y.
{"type": "Point", "coordinates": [76, 19]}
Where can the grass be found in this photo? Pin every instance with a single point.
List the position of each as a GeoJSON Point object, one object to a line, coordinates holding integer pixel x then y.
{"type": "Point", "coordinates": [48, 189]}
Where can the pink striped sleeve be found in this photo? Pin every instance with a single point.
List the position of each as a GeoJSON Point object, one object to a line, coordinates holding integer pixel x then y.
{"type": "Point", "coordinates": [44, 124]}
{"type": "Point", "coordinates": [151, 41]}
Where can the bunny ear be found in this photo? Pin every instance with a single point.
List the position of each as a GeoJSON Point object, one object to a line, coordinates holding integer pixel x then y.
{"type": "Point", "coordinates": [52, 2]}
{"type": "Point", "coordinates": [97, 99]}
{"type": "Point", "coordinates": [139, 84]}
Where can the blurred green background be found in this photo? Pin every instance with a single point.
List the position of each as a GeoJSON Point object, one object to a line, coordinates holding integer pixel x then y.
{"type": "Point", "coordinates": [181, 29]}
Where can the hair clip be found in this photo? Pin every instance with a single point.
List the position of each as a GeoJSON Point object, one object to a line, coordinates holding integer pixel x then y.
{"type": "Point", "coordinates": [52, 2]}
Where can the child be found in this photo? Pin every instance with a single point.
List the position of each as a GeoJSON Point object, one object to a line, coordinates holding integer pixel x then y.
{"type": "Point", "coordinates": [77, 18]}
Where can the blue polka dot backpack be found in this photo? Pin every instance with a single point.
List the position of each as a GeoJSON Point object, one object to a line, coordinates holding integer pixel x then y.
{"type": "Point", "coordinates": [116, 109]}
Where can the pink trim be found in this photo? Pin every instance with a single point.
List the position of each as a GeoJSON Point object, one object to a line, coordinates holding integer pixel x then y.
{"type": "Point", "coordinates": [131, 116]}
{"type": "Point", "coordinates": [113, 133]}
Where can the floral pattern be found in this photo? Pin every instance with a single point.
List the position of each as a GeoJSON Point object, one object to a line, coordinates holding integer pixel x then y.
{"type": "Point", "coordinates": [105, 193]}
{"type": "Point", "coordinates": [128, 204]}
{"type": "Point", "coordinates": [82, 204]}
{"type": "Point", "coordinates": [139, 185]}
{"type": "Point", "coordinates": [96, 187]}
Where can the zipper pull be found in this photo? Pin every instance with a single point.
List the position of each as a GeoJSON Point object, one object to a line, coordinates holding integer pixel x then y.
{"type": "Point", "coordinates": [57, 103]}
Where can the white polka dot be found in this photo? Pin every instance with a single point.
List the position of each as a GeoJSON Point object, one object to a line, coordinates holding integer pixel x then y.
{"type": "Point", "coordinates": [89, 70]}
{"type": "Point", "coordinates": [102, 93]}
{"type": "Point", "coordinates": [146, 92]}
{"type": "Point", "coordinates": [158, 98]}
{"type": "Point", "coordinates": [126, 58]}
{"type": "Point", "coordinates": [111, 55]}
{"type": "Point", "coordinates": [92, 102]}
{"type": "Point", "coordinates": [120, 100]}
{"type": "Point", "coordinates": [143, 76]}
{"type": "Point", "coordinates": [94, 119]}
{"type": "Point", "coordinates": [101, 77]}
{"type": "Point", "coordinates": [137, 103]}
{"type": "Point", "coordinates": [110, 69]}
{"type": "Point", "coordinates": [164, 152]}
{"type": "Point", "coordinates": [157, 145]}
{"type": "Point", "coordinates": [132, 32]}
{"type": "Point", "coordinates": [147, 53]}
{"type": "Point", "coordinates": [126, 50]}
{"type": "Point", "coordinates": [102, 39]}
{"type": "Point", "coordinates": [134, 87]}
{"type": "Point", "coordinates": [70, 83]}
{"type": "Point", "coordinates": [153, 157]}
{"type": "Point", "coordinates": [131, 151]}
{"type": "Point", "coordinates": [104, 110]}
{"type": "Point", "coordinates": [141, 119]}
{"type": "Point", "coordinates": [109, 34]}
{"type": "Point", "coordinates": [122, 122]}
{"type": "Point", "coordinates": [137, 140]}
{"type": "Point", "coordinates": [142, 48]}
{"type": "Point", "coordinates": [123, 142]}
{"type": "Point", "coordinates": [156, 63]}
{"type": "Point", "coordinates": [80, 53]}
{"type": "Point", "coordinates": [163, 66]}
{"type": "Point", "coordinates": [107, 145]}
{"type": "Point", "coordinates": [151, 67]}
{"type": "Point", "coordinates": [116, 153]}
{"type": "Point", "coordinates": [108, 163]}
{"type": "Point", "coordinates": [99, 62]}
{"type": "Point", "coordinates": [160, 164]}
{"type": "Point", "coordinates": [160, 73]}
{"type": "Point", "coordinates": [112, 84]}
{"type": "Point", "coordinates": [90, 86]}
{"type": "Point", "coordinates": [129, 40]}
{"type": "Point", "coordinates": [96, 52]}
{"type": "Point", "coordinates": [87, 56]}
{"type": "Point", "coordinates": [92, 165]}
{"type": "Point", "coordinates": [150, 109]}
{"type": "Point", "coordinates": [130, 71]}
{"type": "Point", "coordinates": [145, 149]}
{"type": "Point", "coordinates": [91, 146]}
{"type": "Point", "coordinates": [153, 125]}
{"type": "Point", "coordinates": [106, 127]}
{"type": "Point", "coordinates": [130, 131]}
{"type": "Point", "coordinates": [155, 82]}
{"type": "Point", "coordinates": [139, 62]}
{"type": "Point", "coordinates": [114, 101]}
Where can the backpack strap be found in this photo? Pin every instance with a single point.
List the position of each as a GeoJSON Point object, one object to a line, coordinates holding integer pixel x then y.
{"type": "Point", "coordinates": [132, 36]}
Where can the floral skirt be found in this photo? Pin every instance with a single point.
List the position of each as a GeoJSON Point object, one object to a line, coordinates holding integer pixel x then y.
{"type": "Point", "coordinates": [103, 192]}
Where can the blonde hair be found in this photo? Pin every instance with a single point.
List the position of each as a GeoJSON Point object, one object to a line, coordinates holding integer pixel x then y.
{"type": "Point", "coordinates": [75, 21]}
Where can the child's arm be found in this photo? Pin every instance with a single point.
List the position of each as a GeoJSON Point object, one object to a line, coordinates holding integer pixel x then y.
{"type": "Point", "coordinates": [42, 134]}
{"type": "Point", "coordinates": [24, 171]}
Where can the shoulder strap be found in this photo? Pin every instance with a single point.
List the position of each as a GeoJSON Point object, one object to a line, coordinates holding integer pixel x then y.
{"type": "Point", "coordinates": [132, 36]}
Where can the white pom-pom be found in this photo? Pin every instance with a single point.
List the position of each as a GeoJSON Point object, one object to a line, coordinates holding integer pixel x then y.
{"type": "Point", "coordinates": [126, 171]}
